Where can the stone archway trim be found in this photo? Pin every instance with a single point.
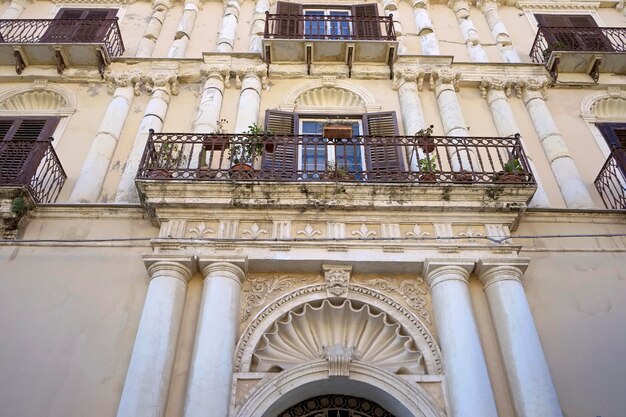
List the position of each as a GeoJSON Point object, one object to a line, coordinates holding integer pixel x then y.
{"type": "Point", "coordinates": [370, 103]}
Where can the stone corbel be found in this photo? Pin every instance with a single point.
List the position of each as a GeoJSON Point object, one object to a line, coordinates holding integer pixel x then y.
{"type": "Point", "coordinates": [162, 80]}
{"type": "Point", "coordinates": [445, 76]}
{"type": "Point", "coordinates": [337, 279]}
{"type": "Point", "coordinates": [124, 79]}
{"type": "Point", "coordinates": [339, 358]}
{"type": "Point", "coordinates": [500, 84]}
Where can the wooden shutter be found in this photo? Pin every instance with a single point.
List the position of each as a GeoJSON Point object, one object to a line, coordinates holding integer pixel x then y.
{"type": "Point", "coordinates": [384, 156]}
{"type": "Point", "coordinates": [585, 40]}
{"type": "Point", "coordinates": [364, 26]}
{"type": "Point", "coordinates": [290, 22]}
{"type": "Point", "coordinates": [79, 25]}
{"type": "Point", "coordinates": [281, 163]}
{"type": "Point", "coordinates": [20, 154]}
{"type": "Point", "coordinates": [614, 133]}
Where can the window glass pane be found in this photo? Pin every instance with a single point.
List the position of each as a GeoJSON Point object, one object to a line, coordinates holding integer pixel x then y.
{"type": "Point", "coordinates": [314, 27]}
{"type": "Point", "coordinates": [339, 27]}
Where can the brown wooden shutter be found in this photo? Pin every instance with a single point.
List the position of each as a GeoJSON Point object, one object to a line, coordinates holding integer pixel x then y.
{"type": "Point", "coordinates": [364, 26]}
{"type": "Point", "coordinates": [290, 24]}
{"type": "Point", "coordinates": [79, 25]}
{"type": "Point", "coordinates": [384, 155]}
{"type": "Point", "coordinates": [614, 133]}
{"type": "Point", "coordinates": [584, 39]}
{"type": "Point", "coordinates": [281, 163]}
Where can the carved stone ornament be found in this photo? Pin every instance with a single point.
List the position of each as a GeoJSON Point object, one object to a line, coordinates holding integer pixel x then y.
{"type": "Point", "coordinates": [124, 79]}
{"type": "Point", "coordinates": [337, 279]}
{"type": "Point", "coordinates": [338, 333]}
{"type": "Point", "coordinates": [445, 76]}
{"type": "Point", "coordinates": [162, 80]}
{"type": "Point", "coordinates": [539, 84]}
{"type": "Point", "coordinates": [499, 84]}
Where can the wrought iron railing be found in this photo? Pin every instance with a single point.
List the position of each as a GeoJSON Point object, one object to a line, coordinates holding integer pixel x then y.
{"type": "Point", "coordinates": [581, 39]}
{"type": "Point", "coordinates": [102, 31]}
{"type": "Point", "coordinates": [32, 164]}
{"type": "Point", "coordinates": [370, 159]}
{"type": "Point", "coordinates": [278, 26]}
{"type": "Point", "coordinates": [611, 181]}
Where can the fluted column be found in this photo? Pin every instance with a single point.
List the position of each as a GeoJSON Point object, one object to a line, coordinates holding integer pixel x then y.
{"type": "Point", "coordinates": [148, 41]}
{"type": "Point", "coordinates": [257, 30]}
{"type": "Point", "coordinates": [428, 40]}
{"type": "Point", "coordinates": [161, 85]}
{"type": "Point", "coordinates": [184, 30]}
{"type": "Point", "coordinates": [474, 48]}
{"type": "Point", "coordinates": [228, 30]}
{"type": "Point", "coordinates": [211, 373]}
{"type": "Point", "coordinates": [525, 365]}
{"type": "Point", "coordinates": [496, 91]}
{"type": "Point", "coordinates": [249, 101]}
{"type": "Point", "coordinates": [500, 34]}
{"type": "Point", "coordinates": [15, 9]}
{"type": "Point", "coordinates": [467, 380]}
{"type": "Point", "coordinates": [390, 7]}
{"type": "Point", "coordinates": [94, 170]}
{"type": "Point", "coordinates": [573, 189]}
{"type": "Point", "coordinates": [150, 370]}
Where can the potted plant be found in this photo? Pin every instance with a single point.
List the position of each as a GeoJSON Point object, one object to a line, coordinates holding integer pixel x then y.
{"type": "Point", "coordinates": [336, 171]}
{"type": "Point", "coordinates": [512, 172]}
{"type": "Point", "coordinates": [424, 140]}
{"type": "Point", "coordinates": [338, 129]}
{"type": "Point", "coordinates": [168, 157]}
{"type": "Point", "coordinates": [554, 46]}
{"type": "Point", "coordinates": [218, 140]}
{"type": "Point", "coordinates": [247, 149]}
{"type": "Point", "coordinates": [428, 169]}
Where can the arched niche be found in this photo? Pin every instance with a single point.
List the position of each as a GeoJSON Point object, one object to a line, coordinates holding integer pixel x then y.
{"type": "Point", "coordinates": [37, 99]}
{"type": "Point", "coordinates": [331, 97]}
{"type": "Point", "coordinates": [604, 106]}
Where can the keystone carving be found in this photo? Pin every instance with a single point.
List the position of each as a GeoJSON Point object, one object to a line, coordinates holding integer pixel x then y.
{"type": "Point", "coordinates": [337, 279]}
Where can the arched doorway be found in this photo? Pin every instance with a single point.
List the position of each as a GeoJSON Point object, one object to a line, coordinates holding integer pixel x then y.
{"type": "Point", "coordinates": [335, 406]}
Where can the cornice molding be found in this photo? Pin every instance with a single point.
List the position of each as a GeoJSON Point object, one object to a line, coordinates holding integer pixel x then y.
{"type": "Point", "coordinates": [559, 5]}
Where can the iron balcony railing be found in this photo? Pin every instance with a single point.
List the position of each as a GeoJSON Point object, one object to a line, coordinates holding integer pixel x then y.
{"type": "Point", "coordinates": [369, 159]}
{"type": "Point", "coordinates": [611, 181]}
{"type": "Point", "coordinates": [59, 31]}
{"type": "Point", "coordinates": [34, 165]}
{"type": "Point", "coordinates": [578, 39]}
{"type": "Point", "coordinates": [379, 28]}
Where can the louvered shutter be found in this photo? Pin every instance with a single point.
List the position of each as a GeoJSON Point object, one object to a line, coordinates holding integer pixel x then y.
{"type": "Point", "coordinates": [290, 23]}
{"type": "Point", "coordinates": [20, 154]}
{"type": "Point", "coordinates": [79, 25]}
{"type": "Point", "coordinates": [586, 40]}
{"type": "Point", "coordinates": [614, 133]}
{"type": "Point", "coordinates": [364, 26]}
{"type": "Point", "coordinates": [384, 155]}
{"type": "Point", "coordinates": [281, 163]}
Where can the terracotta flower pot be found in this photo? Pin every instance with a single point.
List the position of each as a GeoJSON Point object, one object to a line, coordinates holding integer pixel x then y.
{"type": "Point", "coordinates": [242, 171]}
{"type": "Point", "coordinates": [509, 177]}
{"type": "Point", "coordinates": [427, 177]}
{"type": "Point", "coordinates": [426, 143]}
{"type": "Point", "coordinates": [463, 176]}
{"type": "Point", "coordinates": [159, 173]}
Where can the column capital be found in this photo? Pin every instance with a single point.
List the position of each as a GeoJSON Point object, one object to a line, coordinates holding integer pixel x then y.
{"type": "Point", "coordinates": [180, 267]}
{"type": "Point", "coordinates": [419, 4]}
{"type": "Point", "coordinates": [494, 270]}
{"type": "Point", "coordinates": [437, 270]}
{"type": "Point", "coordinates": [500, 84]}
{"type": "Point", "coordinates": [124, 79]}
{"type": "Point", "coordinates": [485, 5]}
{"type": "Point", "coordinates": [408, 75]}
{"type": "Point", "coordinates": [166, 81]}
{"type": "Point", "coordinates": [525, 87]}
{"type": "Point", "coordinates": [445, 77]}
{"type": "Point", "coordinates": [460, 8]}
{"type": "Point", "coordinates": [390, 5]}
{"type": "Point", "coordinates": [234, 268]}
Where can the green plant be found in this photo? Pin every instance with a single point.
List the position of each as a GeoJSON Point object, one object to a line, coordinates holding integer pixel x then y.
{"type": "Point", "coordinates": [18, 206]}
{"type": "Point", "coordinates": [513, 165]}
{"type": "Point", "coordinates": [250, 146]}
{"type": "Point", "coordinates": [425, 132]}
{"type": "Point", "coordinates": [428, 164]}
{"type": "Point", "coordinates": [554, 46]}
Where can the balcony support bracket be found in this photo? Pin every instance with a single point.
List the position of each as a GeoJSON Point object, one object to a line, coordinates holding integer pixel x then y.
{"type": "Point", "coordinates": [20, 60]}
{"type": "Point", "coordinates": [308, 50]}
{"type": "Point", "coordinates": [61, 62]}
{"type": "Point", "coordinates": [595, 68]}
{"type": "Point", "coordinates": [554, 69]}
{"type": "Point", "coordinates": [392, 51]}
{"type": "Point", "coordinates": [268, 57]}
{"type": "Point", "coordinates": [349, 58]}
{"type": "Point", "coordinates": [102, 63]}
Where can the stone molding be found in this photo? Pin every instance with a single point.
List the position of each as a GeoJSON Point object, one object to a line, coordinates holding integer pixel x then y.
{"type": "Point", "coordinates": [438, 270]}
{"type": "Point", "coordinates": [292, 99]}
{"type": "Point", "coordinates": [604, 105]}
{"type": "Point", "coordinates": [559, 5]}
{"type": "Point", "coordinates": [179, 267]}
{"type": "Point", "coordinates": [220, 269]}
{"type": "Point", "coordinates": [490, 271]}
{"type": "Point", "coordinates": [40, 97]}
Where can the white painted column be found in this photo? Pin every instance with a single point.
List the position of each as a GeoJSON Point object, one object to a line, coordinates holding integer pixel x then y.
{"type": "Point", "coordinates": [467, 380]}
{"type": "Point", "coordinates": [257, 30]}
{"type": "Point", "coordinates": [496, 91]}
{"type": "Point", "coordinates": [184, 30]}
{"type": "Point", "coordinates": [390, 7]}
{"type": "Point", "coordinates": [15, 9]}
{"type": "Point", "coordinates": [524, 362]}
{"type": "Point", "coordinates": [147, 43]}
{"type": "Point", "coordinates": [210, 104]}
{"type": "Point", "coordinates": [162, 86]}
{"type": "Point", "coordinates": [94, 170]}
{"type": "Point", "coordinates": [149, 373]}
{"type": "Point", "coordinates": [228, 31]}
{"type": "Point", "coordinates": [573, 189]}
{"type": "Point", "coordinates": [428, 40]}
{"type": "Point", "coordinates": [249, 102]}
{"type": "Point", "coordinates": [500, 34]}
{"type": "Point", "coordinates": [474, 48]}
{"type": "Point", "coordinates": [412, 113]}
{"type": "Point", "coordinates": [211, 373]}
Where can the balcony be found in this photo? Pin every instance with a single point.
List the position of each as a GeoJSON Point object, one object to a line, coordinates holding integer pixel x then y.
{"type": "Point", "coordinates": [329, 39]}
{"type": "Point", "coordinates": [33, 165]}
{"type": "Point", "coordinates": [611, 181]}
{"type": "Point", "coordinates": [60, 42]}
{"type": "Point", "coordinates": [589, 50]}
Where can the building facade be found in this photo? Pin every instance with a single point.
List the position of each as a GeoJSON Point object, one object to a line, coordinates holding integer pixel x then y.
{"type": "Point", "coordinates": [328, 208]}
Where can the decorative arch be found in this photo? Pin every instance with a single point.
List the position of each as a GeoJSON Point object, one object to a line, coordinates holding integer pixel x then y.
{"type": "Point", "coordinates": [330, 96]}
{"type": "Point", "coordinates": [39, 98]}
{"type": "Point", "coordinates": [400, 397]}
{"type": "Point", "coordinates": [603, 106]}
{"type": "Point", "coordinates": [411, 325]}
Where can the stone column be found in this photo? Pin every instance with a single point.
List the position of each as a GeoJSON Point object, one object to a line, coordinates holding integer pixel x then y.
{"type": "Point", "coordinates": [159, 12]}
{"type": "Point", "coordinates": [257, 30]}
{"type": "Point", "coordinates": [15, 9]}
{"type": "Point", "coordinates": [249, 101]}
{"type": "Point", "coordinates": [183, 32]}
{"type": "Point", "coordinates": [533, 92]}
{"type": "Point", "coordinates": [210, 104]}
{"type": "Point", "coordinates": [474, 48]}
{"type": "Point", "coordinates": [500, 34]}
{"type": "Point", "coordinates": [428, 40]}
{"type": "Point", "coordinates": [211, 373]}
{"type": "Point", "coordinates": [525, 365]}
{"type": "Point", "coordinates": [94, 170]}
{"type": "Point", "coordinates": [228, 31]}
{"type": "Point", "coordinates": [149, 373]}
{"type": "Point", "coordinates": [411, 110]}
{"type": "Point", "coordinates": [467, 380]}
{"type": "Point", "coordinates": [161, 85]}
{"type": "Point", "coordinates": [496, 91]}
{"type": "Point", "coordinates": [391, 8]}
